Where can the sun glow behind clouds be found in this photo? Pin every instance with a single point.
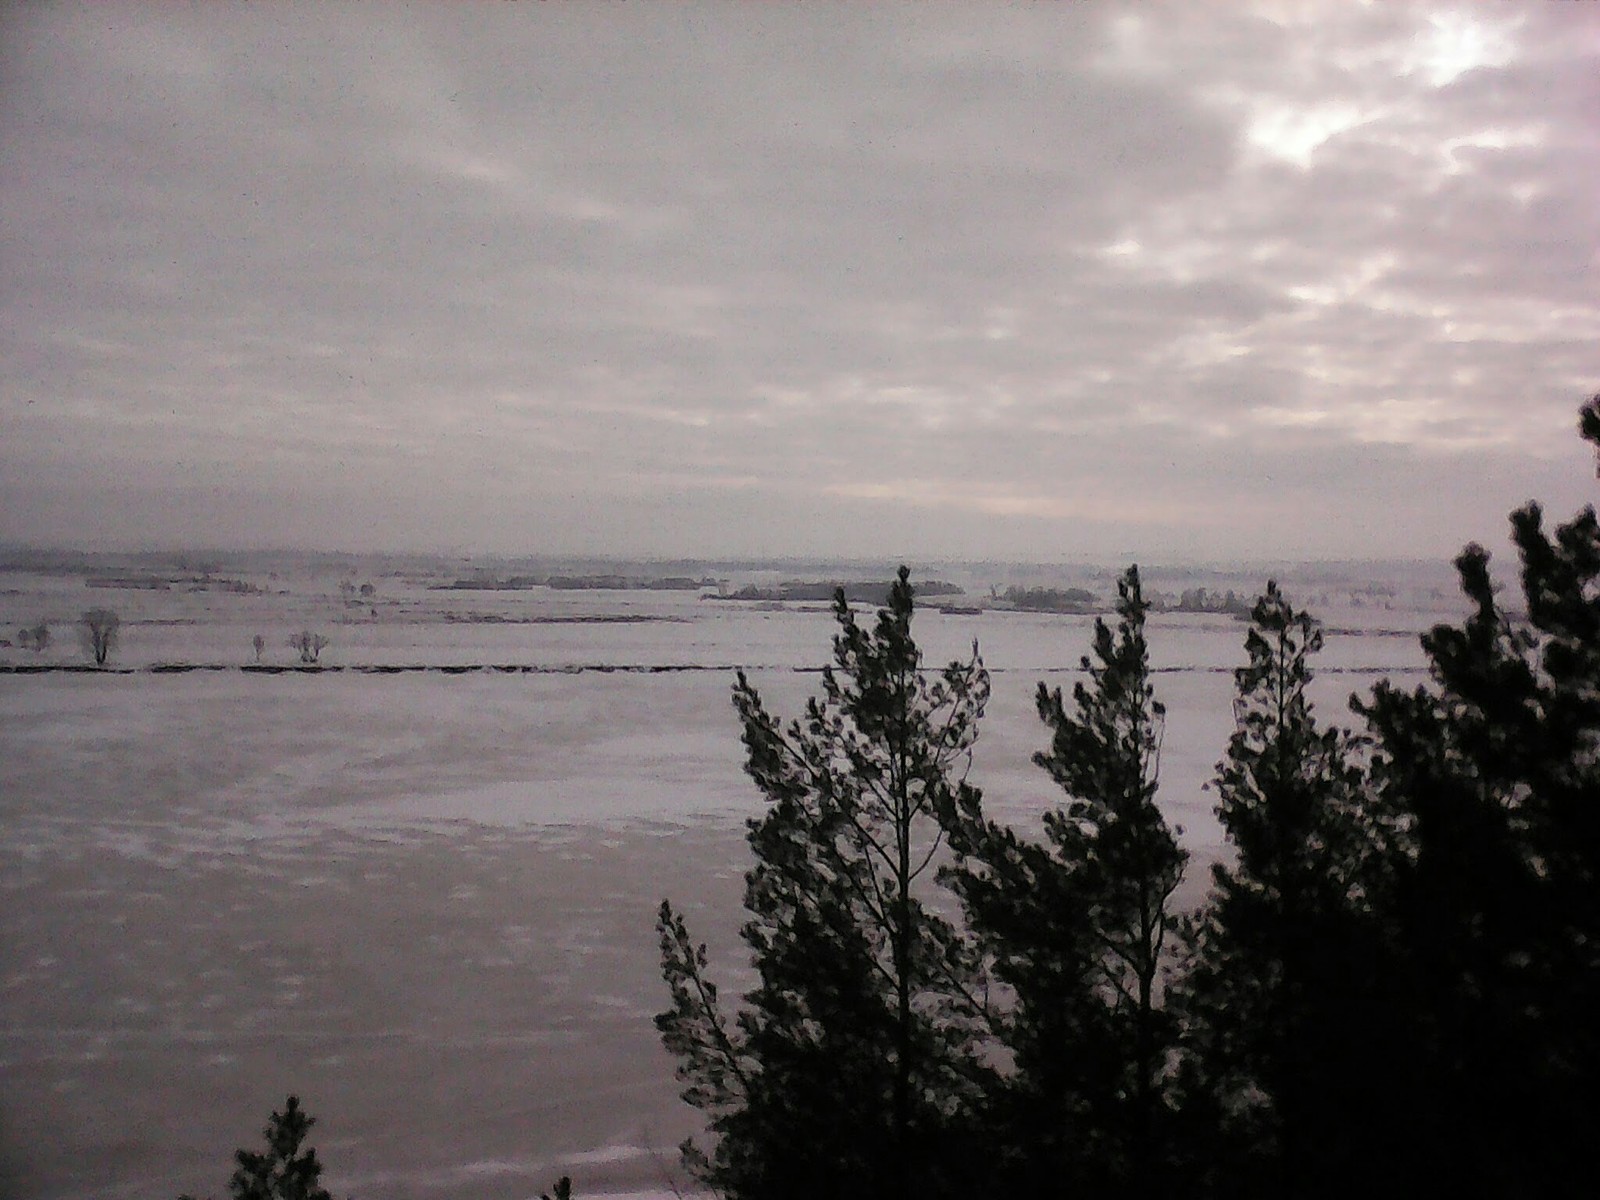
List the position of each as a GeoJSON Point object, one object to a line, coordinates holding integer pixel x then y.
{"type": "Point", "coordinates": [1456, 43]}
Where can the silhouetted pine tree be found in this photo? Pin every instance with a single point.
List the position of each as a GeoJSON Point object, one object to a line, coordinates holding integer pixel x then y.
{"type": "Point", "coordinates": [1078, 928]}
{"type": "Point", "coordinates": [1281, 1000]}
{"type": "Point", "coordinates": [853, 1067]}
{"type": "Point", "coordinates": [1054, 1112]}
{"type": "Point", "coordinates": [1494, 777]}
{"type": "Point", "coordinates": [283, 1172]}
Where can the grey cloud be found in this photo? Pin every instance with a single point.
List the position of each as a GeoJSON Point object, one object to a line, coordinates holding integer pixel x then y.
{"type": "Point", "coordinates": [582, 260]}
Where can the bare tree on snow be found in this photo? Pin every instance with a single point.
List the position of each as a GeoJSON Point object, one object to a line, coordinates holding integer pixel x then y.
{"type": "Point", "coordinates": [98, 630]}
{"type": "Point", "coordinates": [309, 644]}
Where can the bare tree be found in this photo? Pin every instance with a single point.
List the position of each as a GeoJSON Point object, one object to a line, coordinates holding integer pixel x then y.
{"type": "Point", "coordinates": [36, 639]}
{"type": "Point", "coordinates": [309, 644]}
{"type": "Point", "coordinates": [98, 631]}
{"type": "Point", "coordinates": [260, 644]}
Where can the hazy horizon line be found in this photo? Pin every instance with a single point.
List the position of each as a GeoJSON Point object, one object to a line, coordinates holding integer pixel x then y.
{"type": "Point", "coordinates": [887, 562]}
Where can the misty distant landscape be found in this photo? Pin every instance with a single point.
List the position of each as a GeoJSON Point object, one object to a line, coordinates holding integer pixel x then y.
{"type": "Point", "coordinates": [425, 899]}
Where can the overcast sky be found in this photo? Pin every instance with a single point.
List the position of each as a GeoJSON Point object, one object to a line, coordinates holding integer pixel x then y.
{"type": "Point", "coordinates": [1178, 282]}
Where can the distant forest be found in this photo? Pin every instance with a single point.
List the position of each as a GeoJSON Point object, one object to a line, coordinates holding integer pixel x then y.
{"type": "Point", "coordinates": [621, 583]}
{"type": "Point", "coordinates": [853, 593]}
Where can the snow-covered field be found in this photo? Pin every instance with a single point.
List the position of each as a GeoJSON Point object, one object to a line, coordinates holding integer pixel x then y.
{"type": "Point", "coordinates": [424, 901]}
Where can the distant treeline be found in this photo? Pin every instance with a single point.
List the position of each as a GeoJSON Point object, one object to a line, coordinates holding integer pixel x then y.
{"type": "Point", "coordinates": [577, 583]}
{"type": "Point", "coordinates": [854, 593]}
{"type": "Point", "coordinates": [1043, 599]}
{"type": "Point", "coordinates": [1198, 600]}
{"type": "Point", "coordinates": [165, 583]}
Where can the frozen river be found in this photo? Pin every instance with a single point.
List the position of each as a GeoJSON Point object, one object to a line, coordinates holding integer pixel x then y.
{"type": "Point", "coordinates": [424, 901]}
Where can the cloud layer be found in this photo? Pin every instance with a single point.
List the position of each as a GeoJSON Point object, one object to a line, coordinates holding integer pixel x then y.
{"type": "Point", "coordinates": [1178, 281]}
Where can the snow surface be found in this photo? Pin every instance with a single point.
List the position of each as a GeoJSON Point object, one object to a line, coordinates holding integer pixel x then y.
{"type": "Point", "coordinates": [425, 901]}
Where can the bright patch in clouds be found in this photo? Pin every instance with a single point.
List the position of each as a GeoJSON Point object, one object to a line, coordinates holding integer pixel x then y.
{"type": "Point", "coordinates": [1457, 42]}
{"type": "Point", "coordinates": [1031, 504]}
{"type": "Point", "coordinates": [1288, 418]}
{"type": "Point", "coordinates": [1527, 137]}
{"type": "Point", "coordinates": [1295, 134]}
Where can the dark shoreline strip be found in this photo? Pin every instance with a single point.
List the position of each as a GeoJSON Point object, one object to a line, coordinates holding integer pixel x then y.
{"type": "Point", "coordinates": [570, 669]}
